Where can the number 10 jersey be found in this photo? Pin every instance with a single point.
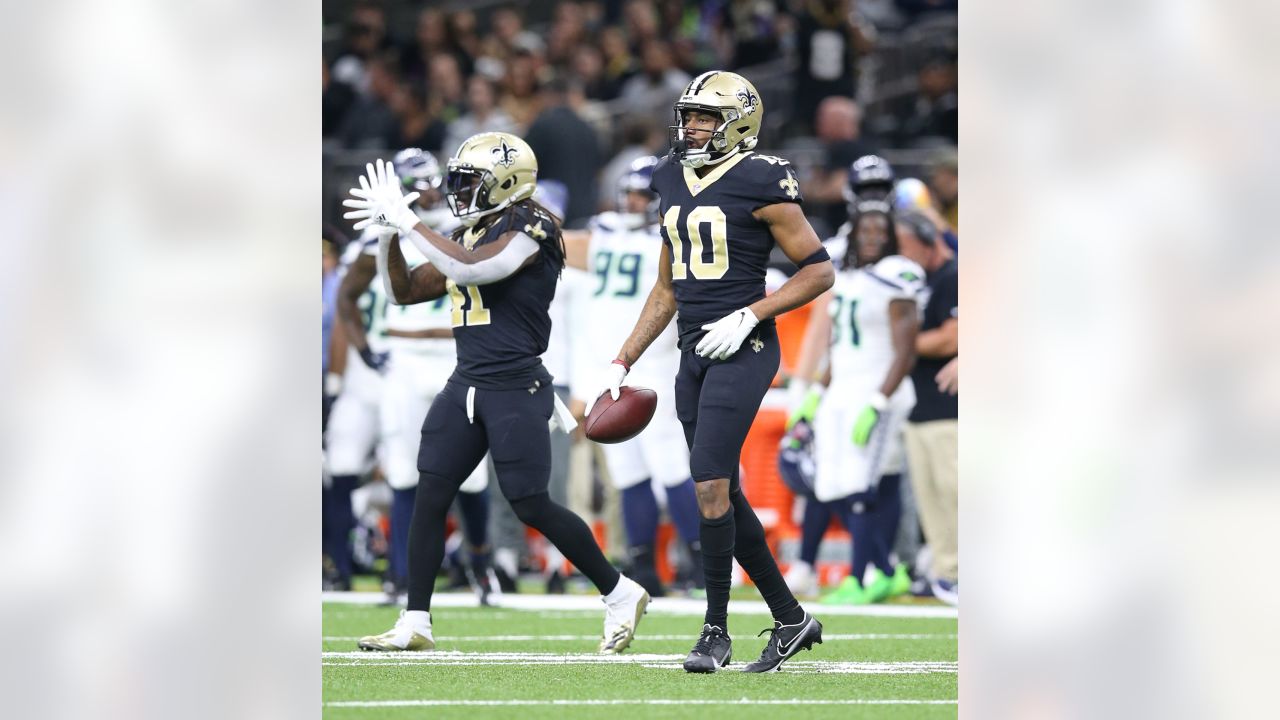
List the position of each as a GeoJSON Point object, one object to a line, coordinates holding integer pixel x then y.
{"type": "Point", "coordinates": [719, 250]}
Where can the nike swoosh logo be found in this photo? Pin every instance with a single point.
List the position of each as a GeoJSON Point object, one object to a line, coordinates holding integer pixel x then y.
{"type": "Point", "coordinates": [783, 647]}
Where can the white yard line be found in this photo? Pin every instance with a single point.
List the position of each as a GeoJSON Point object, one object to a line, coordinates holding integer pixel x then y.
{"type": "Point", "coordinates": [643, 701]}
{"type": "Point", "coordinates": [644, 636]}
{"type": "Point", "coordinates": [648, 660]}
{"type": "Point", "coordinates": [668, 606]}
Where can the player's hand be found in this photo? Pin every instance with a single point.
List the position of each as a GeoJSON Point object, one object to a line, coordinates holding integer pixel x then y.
{"type": "Point", "coordinates": [868, 419]}
{"type": "Point", "coordinates": [376, 361]}
{"type": "Point", "coordinates": [380, 200]}
{"type": "Point", "coordinates": [611, 382]}
{"type": "Point", "coordinates": [948, 378]}
{"type": "Point", "coordinates": [725, 335]}
{"type": "Point", "coordinates": [808, 407]}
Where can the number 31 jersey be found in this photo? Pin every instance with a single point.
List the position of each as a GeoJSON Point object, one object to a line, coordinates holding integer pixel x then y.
{"type": "Point", "coordinates": [719, 250]}
{"type": "Point", "coordinates": [861, 339]}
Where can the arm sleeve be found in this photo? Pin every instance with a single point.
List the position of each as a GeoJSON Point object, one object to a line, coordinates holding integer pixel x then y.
{"type": "Point", "coordinates": [491, 270]}
{"type": "Point", "coordinates": [777, 181]}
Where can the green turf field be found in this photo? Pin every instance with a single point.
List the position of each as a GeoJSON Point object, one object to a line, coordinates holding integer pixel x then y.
{"type": "Point", "coordinates": [541, 664]}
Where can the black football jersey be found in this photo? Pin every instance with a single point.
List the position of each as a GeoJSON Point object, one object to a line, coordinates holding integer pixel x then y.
{"type": "Point", "coordinates": [719, 251]}
{"type": "Point", "coordinates": [502, 328]}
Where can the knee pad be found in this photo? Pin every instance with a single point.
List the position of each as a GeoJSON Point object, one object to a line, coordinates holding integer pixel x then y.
{"type": "Point", "coordinates": [532, 508]}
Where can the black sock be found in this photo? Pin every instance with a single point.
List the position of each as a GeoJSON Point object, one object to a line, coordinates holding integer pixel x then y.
{"type": "Point", "coordinates": [697, 573]}
{"type": "Point", "coordinates": [817, 516]}
{"type": "Point", "coordinates": [752, 551]}
{"type": "Point", "coordinates": [426, 537]}
{"type": "Point", "coordinates": [717, 536]}
{"type": "Point", "coordinates": [570, 535]}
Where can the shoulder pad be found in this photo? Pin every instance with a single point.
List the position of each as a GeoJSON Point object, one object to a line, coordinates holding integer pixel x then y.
{"type": "Point", "coordinates": [901, 271]}
{"type": "Point", "coordinates": [776, 177]}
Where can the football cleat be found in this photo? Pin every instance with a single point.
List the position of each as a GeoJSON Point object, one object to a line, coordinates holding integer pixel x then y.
{"type": "Point", "coordinates": [900, 583]}
{"type": "Point", "coordinates": [405, 636]}
{"type": "Point", "coordinates": [848, 592]}
{"type": "Point", "coordinates": [880, 587]}
{"type": "Point", "coordinates": [712, 651]}
{"type": "Point", "coordinates": [621, 618]}
{"type": "Point", "coordinates": [786, 640]}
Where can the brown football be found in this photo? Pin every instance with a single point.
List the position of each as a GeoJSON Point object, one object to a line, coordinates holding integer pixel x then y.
{"type": "Point", "coordinates": [615, 421]}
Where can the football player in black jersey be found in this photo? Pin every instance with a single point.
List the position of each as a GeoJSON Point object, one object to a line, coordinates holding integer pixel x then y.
{"type": "Point", "coordinates": [723, 208]}
{"type": "Point", "coordinates": [500, 269]}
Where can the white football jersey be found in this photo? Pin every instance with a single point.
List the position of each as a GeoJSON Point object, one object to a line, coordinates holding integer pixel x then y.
{"type": "Point", "coordinates": [861, 342]}
{"type": "Point", "coordinates": [623, 259]}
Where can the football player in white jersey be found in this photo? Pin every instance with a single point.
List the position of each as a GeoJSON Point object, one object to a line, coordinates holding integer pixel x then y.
{"type": "Point", "coordinates": [623, 250]}
{"type": "Point", "coordinates": [866, 324]}
{"type": "Point", "coordinates": [412, 349]}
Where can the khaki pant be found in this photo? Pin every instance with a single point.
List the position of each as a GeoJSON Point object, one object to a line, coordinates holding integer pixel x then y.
{"type": "Point", "coordinates": [932, 456]}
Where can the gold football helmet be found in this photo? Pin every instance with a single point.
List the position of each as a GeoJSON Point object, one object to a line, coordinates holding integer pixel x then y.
{"type": "Point", "coordinates": [731, 98]}
{"type": "Point", "coordinates": [490, 172]}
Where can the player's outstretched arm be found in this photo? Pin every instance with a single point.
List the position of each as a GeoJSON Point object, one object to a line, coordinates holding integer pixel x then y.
{"type": "Point", "coordinates": [576, 243]}
{"type": "Point", "coordinates": [792, 232]}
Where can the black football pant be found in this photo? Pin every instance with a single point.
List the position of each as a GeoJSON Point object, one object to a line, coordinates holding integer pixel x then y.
{"type": "Point", "coordinates": [717, 401]}
{"type": "Point", "coordinates": [511, 425]}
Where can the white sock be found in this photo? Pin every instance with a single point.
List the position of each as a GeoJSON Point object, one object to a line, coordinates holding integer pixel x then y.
{"type": "Point", "coordinates": [418, 620]}
{"type": "Point", "coordinates": [624, 589]}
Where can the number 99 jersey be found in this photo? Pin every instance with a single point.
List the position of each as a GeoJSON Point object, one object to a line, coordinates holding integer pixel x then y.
{"type": "Point", "coordinates": [719, 250]}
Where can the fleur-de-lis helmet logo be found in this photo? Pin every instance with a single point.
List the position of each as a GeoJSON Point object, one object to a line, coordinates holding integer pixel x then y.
{"type": "Point", "coordinates": [750, 102]}
{"type": "Point", "coordinates": [506, 154]}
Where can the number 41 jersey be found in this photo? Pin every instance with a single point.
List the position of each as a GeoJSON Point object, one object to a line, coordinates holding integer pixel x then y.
{"type": "Point", "coordinates": [719, 251]}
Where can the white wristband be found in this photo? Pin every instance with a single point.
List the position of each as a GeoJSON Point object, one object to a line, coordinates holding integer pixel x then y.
{"type": "Point", "coordinates": [879, 401]}
{"type": "Point", "coordinates": [332, 384]}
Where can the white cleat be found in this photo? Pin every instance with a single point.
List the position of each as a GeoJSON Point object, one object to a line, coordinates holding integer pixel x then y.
{"type": "Point", "coordinates": [408, 634]}
{"type": "Point", "coordinates": [622, 616]}
{"type": "Point", "coordinates": [801, 579]}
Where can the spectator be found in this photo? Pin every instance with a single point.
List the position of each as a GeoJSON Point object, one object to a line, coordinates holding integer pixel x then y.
{"type": "Point", "coordinates": [619, 64]}
{"type": "Point", "coordinates": [566, 34]}
{"type": "Point", "coordinates": [641, 22]}
{"type": "Point", "coordinates": [506, 26]}
{"type": "Point", "coordinates": [588, 69]}
{"type": "Point", "coordinates": [417, 127]}
{"type": "Point", "coordinates": [445, 94]}
{"type": "Point", "coordinates": [934, 116]}
{"type": "Point", "coordinates": [839, 127]}
{"type": "Point", "coordinates": [335, 101]}
{"type": "Point", "coordinates": [652, 93]}
{"type": "Point", "coordinates": [828, 45]}
{"type": "Point", "coordinates": [931, 428]}
{"type": "Point", "coordinates": [640, 138]}
{"type": "Point", "coordinates": [483, 115]}
{"type": "Point", "coordinates": [371, 124]}
{"type": "Point", "coordinates": [567, 151]}
{"type": "Point", "coordinates": [364, 37]}
{"type": "Point", "coordinates": [750, 33]}
{"type": "Point", "coordinates": [465, 39]}
{"type": "Point", "coordinates": [431, 38]}
{"type": "Point", "coordinates": [520, 101]}
{"type": "Point", "coordinates": [944, 179]}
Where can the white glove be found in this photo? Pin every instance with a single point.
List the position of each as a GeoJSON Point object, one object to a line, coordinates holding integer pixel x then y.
{"type": "Point", "coordinates": [380, 201]}
{"type": "Point", "coordinates": [725, 335]}
{"type": "Point", "coordinates": [611, 382]}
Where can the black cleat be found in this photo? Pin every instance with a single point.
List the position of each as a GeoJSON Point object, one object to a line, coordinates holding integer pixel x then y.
{"type": "Point", "coordinates": [711, 652]}
{"type": "Point", "coordinates": [787, 640]}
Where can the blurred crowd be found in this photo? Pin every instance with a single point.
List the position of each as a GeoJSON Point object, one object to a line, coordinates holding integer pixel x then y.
{"type": "Point", "coordinates": [590, 86]}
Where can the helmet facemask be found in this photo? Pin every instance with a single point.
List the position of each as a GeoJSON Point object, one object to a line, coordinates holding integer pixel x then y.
{"type": "Point", "coordinates": [715, 150]}
{"type": "Point", "coordinates": [467, 189]}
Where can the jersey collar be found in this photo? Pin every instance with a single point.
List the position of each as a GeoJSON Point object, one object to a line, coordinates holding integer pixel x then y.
{"type": "Point", "coordinates": [698, 184]}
